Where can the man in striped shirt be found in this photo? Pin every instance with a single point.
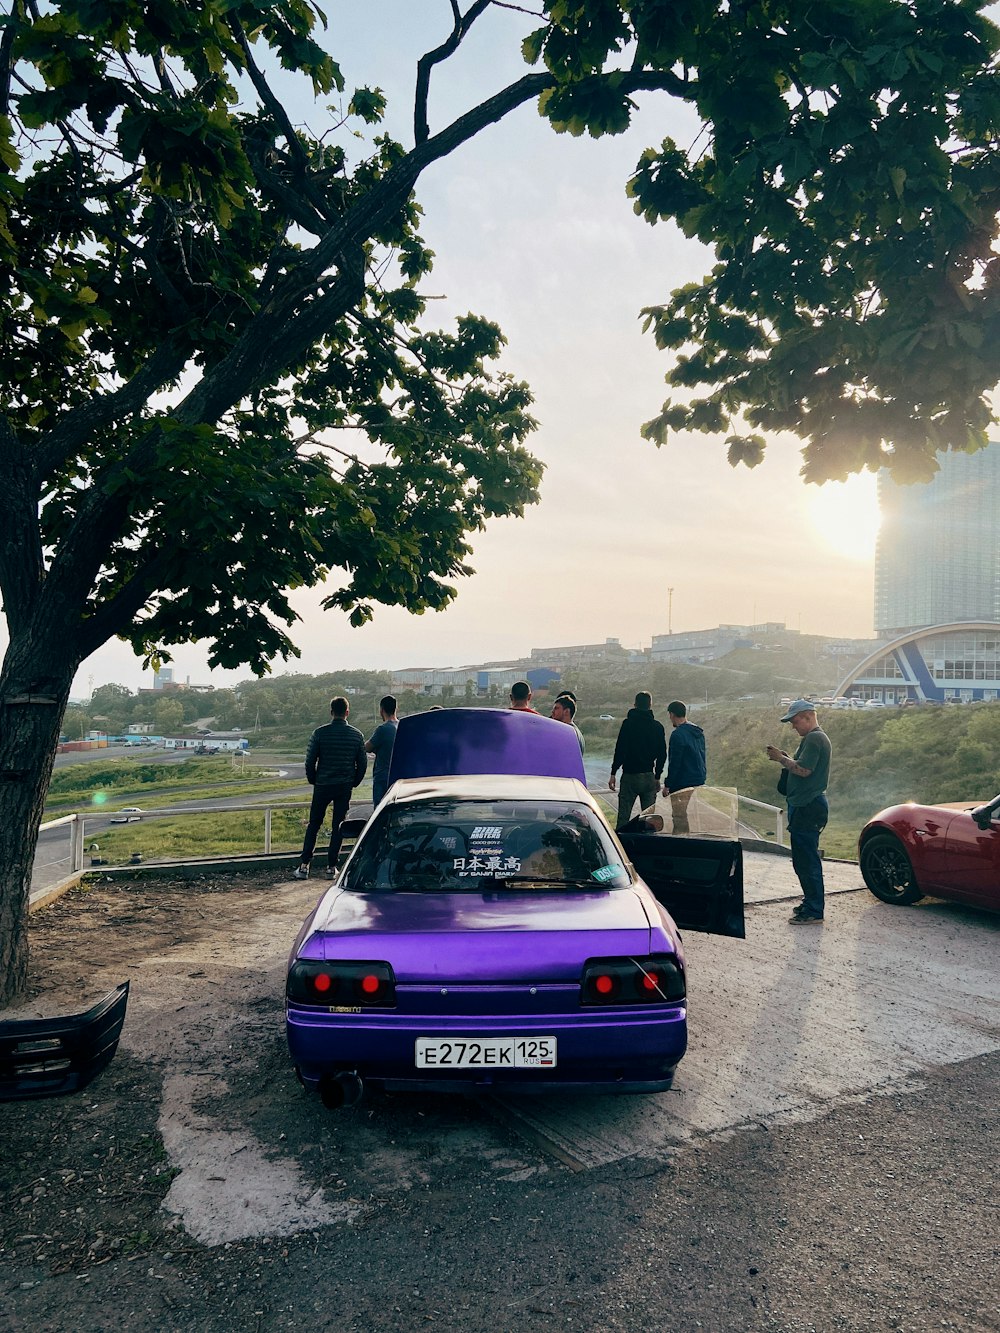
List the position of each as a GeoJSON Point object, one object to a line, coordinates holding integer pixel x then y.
{"type": "Point", "coordinates": [336, 763]}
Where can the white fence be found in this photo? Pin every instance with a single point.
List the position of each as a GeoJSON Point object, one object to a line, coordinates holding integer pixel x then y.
{"type": "Point", "coordinates": [712, 811]}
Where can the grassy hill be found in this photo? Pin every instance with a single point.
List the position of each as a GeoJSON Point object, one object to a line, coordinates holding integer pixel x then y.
{"type": "Point", "coordinates": [880, 758]}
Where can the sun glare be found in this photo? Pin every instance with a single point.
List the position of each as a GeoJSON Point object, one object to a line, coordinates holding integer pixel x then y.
{"type": "Point", "coordinates": [845, 516]}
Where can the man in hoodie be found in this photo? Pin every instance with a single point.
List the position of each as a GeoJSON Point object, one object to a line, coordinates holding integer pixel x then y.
{"type": "Point", "coordinates": [640, 753]}
{"type": "Point", "coordinates": [685, 764]}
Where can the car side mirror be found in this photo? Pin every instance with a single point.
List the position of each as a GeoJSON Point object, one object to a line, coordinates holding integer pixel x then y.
{"type": "Point", "coordinates": [983, 815]}
{"type": "Point", "coordinates": [351, 828]}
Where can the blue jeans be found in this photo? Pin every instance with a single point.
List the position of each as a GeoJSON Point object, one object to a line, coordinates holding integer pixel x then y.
{"type": "Point", "coordinates": [805, 824]}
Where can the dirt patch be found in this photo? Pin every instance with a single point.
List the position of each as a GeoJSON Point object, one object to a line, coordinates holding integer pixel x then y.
{"type": "Point", "coordinates": [196, 1158]}
{"type": "Point", "coordinates": [104, 917]}
{"type": "Point", "coordinates": [196, 1188]}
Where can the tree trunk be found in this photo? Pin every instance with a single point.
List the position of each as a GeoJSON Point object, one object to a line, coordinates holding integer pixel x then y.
{"type": "Point", "coordinates": [34, 687]}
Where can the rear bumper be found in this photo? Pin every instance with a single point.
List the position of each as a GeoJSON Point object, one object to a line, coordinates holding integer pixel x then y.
{"type": "Point", "coordinates": [46, 1057]}
{"type": "Point", "coordinates": [634, 1050]}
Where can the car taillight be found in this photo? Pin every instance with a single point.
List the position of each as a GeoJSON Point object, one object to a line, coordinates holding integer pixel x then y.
{"type": "Point", "coordinates": [654, 979]}
{"type": "Point", "coordinates": [341, 984]}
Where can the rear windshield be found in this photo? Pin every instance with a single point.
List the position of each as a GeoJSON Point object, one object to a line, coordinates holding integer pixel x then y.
{"type": "Point", "coordinates": [474, 846]}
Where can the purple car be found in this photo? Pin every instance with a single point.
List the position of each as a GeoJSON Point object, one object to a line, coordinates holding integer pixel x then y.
{"type": "Point", "coordinates": [489, 931]}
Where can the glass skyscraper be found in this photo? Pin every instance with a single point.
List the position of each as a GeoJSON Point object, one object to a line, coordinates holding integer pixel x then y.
{"type": "Point", "coordinates": [938, 555]}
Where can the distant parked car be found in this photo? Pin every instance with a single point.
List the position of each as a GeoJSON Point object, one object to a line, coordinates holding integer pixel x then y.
{"type": "Point", "coordinates": [607, 717]}
{"type": "Point", "coordinates": [129, 814]}
{"type": "Point", "coordinates": [948, 851]}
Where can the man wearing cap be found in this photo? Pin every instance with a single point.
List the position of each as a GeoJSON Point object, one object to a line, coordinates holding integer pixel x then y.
{"type": "Point", "coordinates": [803, 784]}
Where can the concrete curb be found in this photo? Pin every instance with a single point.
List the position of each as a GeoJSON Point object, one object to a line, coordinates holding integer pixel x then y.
{"type": "Point", "coordinates": [155, 870]}
{"type": "Point", "coordinates": [43, 897]}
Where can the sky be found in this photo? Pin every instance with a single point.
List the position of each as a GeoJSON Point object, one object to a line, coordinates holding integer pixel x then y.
{"type": "Point", "coordinates": [534, 231]}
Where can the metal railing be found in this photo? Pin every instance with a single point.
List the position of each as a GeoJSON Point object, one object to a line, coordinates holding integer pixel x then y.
{"type": "Point", "coordinates": [76, 823]}
{"type": "Point", "coordinates": [779, 817]}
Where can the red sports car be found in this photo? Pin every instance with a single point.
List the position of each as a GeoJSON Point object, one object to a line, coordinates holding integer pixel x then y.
{"type": "Point", "coordinates": [948, 851]}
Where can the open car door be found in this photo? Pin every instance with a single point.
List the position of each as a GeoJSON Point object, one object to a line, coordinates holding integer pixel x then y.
{"type": "Point", "coordinates": [698, 880]}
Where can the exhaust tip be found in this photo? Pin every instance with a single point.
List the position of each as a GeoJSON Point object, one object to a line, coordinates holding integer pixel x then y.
{"type": "Point", "coordinates": [341, 1091]}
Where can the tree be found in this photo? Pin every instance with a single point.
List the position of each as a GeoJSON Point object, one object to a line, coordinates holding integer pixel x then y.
{"type": "Point", "coordinates": [114, 703]}
{"type": "Point", "coordinates": [850, 190]}
{"type": "Point", "coordinates": [197, 300]}
{"type": "Point", "coordinates": [197, 295]}
{"type": "Point", "coordinates": [168, 715]}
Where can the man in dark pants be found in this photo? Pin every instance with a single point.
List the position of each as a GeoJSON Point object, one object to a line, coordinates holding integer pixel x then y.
{"type": "Point", "coordinates": [805, 790]}
{"type": "Point", "coordinates": [336, 763]}
{"type": "Point", "coordinates": [640, 753]}
{"type": "Point", "coordinates": [380, 744]}
{"type": "Point", "coordinates": [685, 764]}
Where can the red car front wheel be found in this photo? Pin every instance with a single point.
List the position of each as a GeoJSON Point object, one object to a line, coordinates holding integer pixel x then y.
{"type": "Point", "coordinates": [888, 871]}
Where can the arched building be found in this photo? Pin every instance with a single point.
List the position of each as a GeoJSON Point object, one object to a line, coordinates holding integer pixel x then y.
{"type": "Point", "coordinates": [940, 662]}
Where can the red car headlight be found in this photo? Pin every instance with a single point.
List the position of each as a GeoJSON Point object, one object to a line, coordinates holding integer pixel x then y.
{"type": "Point", "coordinates": [341, 984]}
{"type": "Point", "coordinates": [654, 979]}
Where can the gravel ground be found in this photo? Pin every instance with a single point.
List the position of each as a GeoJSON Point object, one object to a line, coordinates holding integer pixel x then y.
{"type": "Point", "coordinates": [431, 1213]}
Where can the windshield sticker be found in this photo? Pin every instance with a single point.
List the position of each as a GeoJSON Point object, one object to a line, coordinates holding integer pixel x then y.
{"type": "Point", "coordinates": [486, 863]}
{"type": "Point", "coordinates": [605, 872]}
{"type": "Point", "coordinates": [487, 832]}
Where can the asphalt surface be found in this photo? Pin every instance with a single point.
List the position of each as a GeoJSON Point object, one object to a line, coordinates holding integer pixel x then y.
{"type": "Point", "coordinates": [826, 1160]}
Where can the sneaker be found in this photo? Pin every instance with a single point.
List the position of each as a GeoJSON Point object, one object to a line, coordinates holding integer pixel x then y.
{"type": "Point", "coordinates": [797, 911]}
{"type": "Point", "coordinates": [301, 873]}
{"type": "Point", "coordinates": [805, 919]}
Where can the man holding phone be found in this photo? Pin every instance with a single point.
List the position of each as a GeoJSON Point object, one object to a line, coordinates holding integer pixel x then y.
{"type": "Point", "coordinates": [803, 784]}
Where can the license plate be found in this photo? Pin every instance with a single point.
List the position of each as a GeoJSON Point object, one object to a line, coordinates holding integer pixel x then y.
{"type": "Point", "coordinates": [486, 1053]}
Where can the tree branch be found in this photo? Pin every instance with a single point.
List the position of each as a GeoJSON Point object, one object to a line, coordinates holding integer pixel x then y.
{"type": "Point", "coordinates": [79, 425]}
{"type": "Point", "coordinates": [463, 22]}
{"type": "Point", "coordinates": [297, 203]}
{"type": "Point", "coordinates": [268, 346]}
{"type": "Point", "coordinates": [6, 57]}
{"type": "Point", "coordinates": [299, 156]}
{"type": "Point", "coordinates": [116, 615]}
{"type": "Point", "coordinates": [294, 318]}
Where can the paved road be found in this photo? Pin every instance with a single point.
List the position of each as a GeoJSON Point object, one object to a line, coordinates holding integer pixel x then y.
{"type": "Point", "coordinates": [52, 856]}
{"type": "Point", "coordinates": [826, 1161]}
{"type": "Point", "coordinates": [784, 1024]}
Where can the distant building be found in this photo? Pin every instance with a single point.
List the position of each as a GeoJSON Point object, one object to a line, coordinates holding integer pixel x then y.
{"type": "Point", "coordinates": [938, 555]}
{"type": "Point", "coordinates": [581, 654]}
{"type": "Point", "coordinates": [433, 681]}
{"type": "Point", "coordinates": [705, 645]}
{"type": "Point", "coordinates": [227, 740]}
{"type": "Point", "coordinates": [937, 664]}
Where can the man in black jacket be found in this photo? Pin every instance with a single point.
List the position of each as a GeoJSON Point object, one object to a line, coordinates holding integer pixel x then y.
{"type": "Point", "coordinates": [336, 763]}
{"type": "Point", "coordinates": [640, 752]}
